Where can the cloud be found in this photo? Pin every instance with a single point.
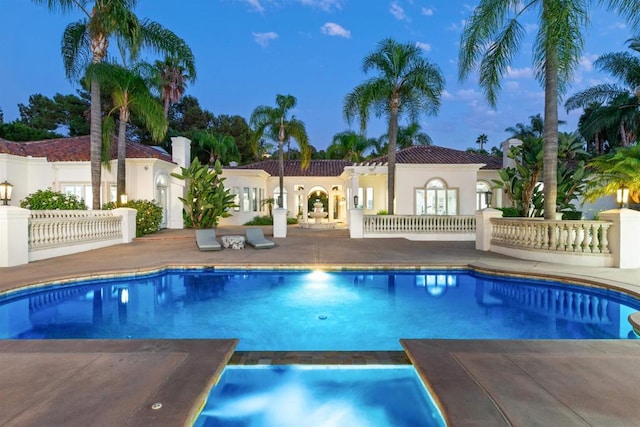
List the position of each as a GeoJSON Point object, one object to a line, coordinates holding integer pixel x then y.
{"type": "Point", "coordinates": [457, 26]}
{"type": "Point", "coordinates": [424, 46]}
{"type": "Point", "coordinates": [519, 73]}
{"type": "Point", "coordinates": [326, 5]}
{"type": "Point", "coordinates": [427, 11]}
{"type": "Point", "coordinates": [333, 29]}
{"type": "Point", "coordinates": [263, 39]}
{"type": "Point", "coordinates": [397, 11]}
{"type": "Point", "coordinates": [255, 5]}
{"type": "Point", "coordinates": [586, 62]}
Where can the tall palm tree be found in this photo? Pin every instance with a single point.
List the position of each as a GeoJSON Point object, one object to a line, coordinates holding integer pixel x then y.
{"type": "Point", "coordinates": [617, 105]}
{"type": "Point", "coordinates": [407, 83]}
{"type": "Point", "coordinates": [172, 78]}
{"type": "Point", "coordinates": [411, 135]}
{"type": "Point", "coordinates": [349, 145]}
{"type": "Point", "coordinates": [129, 93]}
{"type": "Point", "coordinates": [493, 35]}
{"type": "Point", "coordinates": [275, 123]}
{"type": "Point", "coordinates": [87, 40]}
{"type": "Point", "coordinates": [481, 140]}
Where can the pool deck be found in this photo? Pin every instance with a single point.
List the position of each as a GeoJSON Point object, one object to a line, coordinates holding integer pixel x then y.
{"type": "Point", "coordinates": [476, 382]}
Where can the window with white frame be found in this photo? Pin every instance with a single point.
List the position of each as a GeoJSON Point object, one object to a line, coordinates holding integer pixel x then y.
{"type": "Point", "coordinates": [483, 195]}
{"type": "Point", "coordinates": [368, 200]}
{"type": "Point", "coordinates": [81, 191]}
{"type": "Point", "coordinates": [276, 194]}
{"type": "Point", "coordinates": [436, 199]}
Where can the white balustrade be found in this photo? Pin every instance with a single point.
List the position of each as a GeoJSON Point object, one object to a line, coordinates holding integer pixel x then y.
{"type": "Point", "coordinates": [551, 235]}
{"type": "Point", "coordinates": [56, 228]}
{"type": "Point", "coordinates": [419, 224]}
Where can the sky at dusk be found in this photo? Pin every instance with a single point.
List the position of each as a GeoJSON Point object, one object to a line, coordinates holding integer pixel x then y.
{"type": "Point", "coordinates": [247, 51]}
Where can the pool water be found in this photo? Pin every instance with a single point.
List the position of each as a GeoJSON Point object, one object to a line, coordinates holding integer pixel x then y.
{"type": "Point", "coordinates": [307, 310]}
{"type": "Point", "coordinates": [319, 396]}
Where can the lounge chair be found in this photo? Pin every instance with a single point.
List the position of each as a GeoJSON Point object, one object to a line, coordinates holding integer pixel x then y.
{"type": "Point", "coordinates": [255, 237]}
{"type": "Point", "coordinates": [206, 240]}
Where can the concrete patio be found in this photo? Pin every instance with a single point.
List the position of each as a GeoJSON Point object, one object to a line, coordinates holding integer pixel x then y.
{"type": "Point", "coordinates": [477, 382]}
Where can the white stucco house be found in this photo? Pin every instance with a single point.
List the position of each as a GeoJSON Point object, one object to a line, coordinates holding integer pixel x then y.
{"type": "Point", "coordinates": [430, 180]}
{"type": "Point", "coordinates": [63, 165]}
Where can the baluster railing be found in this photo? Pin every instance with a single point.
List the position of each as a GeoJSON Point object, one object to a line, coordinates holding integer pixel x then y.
{"type": "Point", "coordinates": [551, 235]}
{"type": "Point", "coordinates": [418, 224]}
{"type": "Point", "coordinates": [62, 228]}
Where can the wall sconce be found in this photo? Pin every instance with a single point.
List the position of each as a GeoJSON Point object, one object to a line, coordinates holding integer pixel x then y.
{"type": "Point", "coordinates": [355, 201]}
{"type": "Point", "coordinates": [124, 199]}
{"type": "Point", "coordinates": [5, 193]}
{"type": "Point", "coordinates": [622, 196]}
{"type": "Point", "coordinates": [488, 197]}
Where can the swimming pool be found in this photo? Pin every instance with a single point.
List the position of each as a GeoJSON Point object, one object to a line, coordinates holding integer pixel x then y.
{"type": "Point", "coordinates": [313, 311]}
{"type": "Point", "coordinates": [323, 396]}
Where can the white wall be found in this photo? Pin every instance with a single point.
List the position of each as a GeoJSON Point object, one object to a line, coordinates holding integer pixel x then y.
{"type": "Point", "coordinates": [410, 177]}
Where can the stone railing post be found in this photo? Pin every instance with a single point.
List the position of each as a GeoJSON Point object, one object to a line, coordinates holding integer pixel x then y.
{"type": "Point", "coordinates": [280, 223]}
{"type": "Point", "coordinates": [624, 235]}
{"type": "Point", "coordinates": [128, 223]}
{"type": "Point", "coordinates": [484, 227]}
{"type": "Point", "coordinates": [356, 223]}
{"type": "Point", "coordinates": [14, 236]}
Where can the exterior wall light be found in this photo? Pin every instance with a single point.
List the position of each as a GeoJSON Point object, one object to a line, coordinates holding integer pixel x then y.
{"type": "Point", "coordinates": [124, 199]}
{"type": "Point", "coordinates": [622, 196]}
{"type": "Point", "coordinates": [488, 197]}
{"type": "Point", "coordinates": [355, 201]}
{"type": "Point", "coordinates": [5, 193]}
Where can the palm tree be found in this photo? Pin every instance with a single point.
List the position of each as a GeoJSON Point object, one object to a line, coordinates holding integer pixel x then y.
{"type": "Point", "coordinates": [129, 93]}
{"type": "Point", "coordinates": [481, 140]}
{"type": "Point", "coordinates": [349, 145]}
{"type": "Point", "coordinates": [617, 106]}
{"type": "Point", "coordinates": [492, 36]}
{"type": "Point", "coordinates": [614, 170]}
{"type": "Point", "coordinates": [87, 40]}
{"type": "Point", "coordinates": [276, 125]}
{"type": "Point", "coordinates": [218, 147]}
{"type": "Point", "coordinates": [407, 83]}
{"type": "Point", "coordinates": [172, 78]}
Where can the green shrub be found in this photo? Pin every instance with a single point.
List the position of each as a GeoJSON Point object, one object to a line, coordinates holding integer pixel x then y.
{"type": "Point", "coordinates": [510, 212]}
{"type": "Point", "coordinates": [572, 215]}
{"type": "Point", "coordinates": [382, 212]}
{"type": "Point", "coordinates": [267, 220]}
{"type": "Point", "coordinates": [148, 216]}
{"type": "Point", "coordinates": [48, 199]}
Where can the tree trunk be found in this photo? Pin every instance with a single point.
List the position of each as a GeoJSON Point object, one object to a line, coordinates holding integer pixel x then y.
{"type": "Point", "coordinates": [281, 173]}
{"type": "Point", "coordinates": [391, 156]}
{"type": "Point", "coordinates": [96, 144]}
{"type": "Point", "coordinates": [550, 147]}
{"type": "Point", "coordinates": [122, 153]}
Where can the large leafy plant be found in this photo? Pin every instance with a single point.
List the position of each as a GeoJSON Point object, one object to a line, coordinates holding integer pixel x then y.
{"type": "Point", "coordinates": [206, 199]}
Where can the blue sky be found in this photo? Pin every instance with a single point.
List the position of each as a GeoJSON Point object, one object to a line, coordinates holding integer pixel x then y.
{"type": "Point", "coordinates": [247, 51]}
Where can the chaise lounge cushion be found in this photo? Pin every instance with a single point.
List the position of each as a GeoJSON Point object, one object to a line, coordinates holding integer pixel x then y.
{"type": "Point", "coordinates": [206, 240]}
{"type": "Point", "coordinates": [255, 237]}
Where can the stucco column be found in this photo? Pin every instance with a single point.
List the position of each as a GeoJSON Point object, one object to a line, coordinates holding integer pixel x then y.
{"type": "Point", "coordinates": [354, 189]}
{"type": "Point", "coordinates": [181, 151]}
{"type": "Point", "coordinates": [484, 228]}
{"type": "Point", "coordinates": [280, 222]}
{"type": "Point", "coordinates": [14, 236]}
{"type": "Point", "coordinates": [128, 223]}
{"type": "Point", "coordinates": [623, 236]}
{"type": "Point", "coordinates": [356, 224]}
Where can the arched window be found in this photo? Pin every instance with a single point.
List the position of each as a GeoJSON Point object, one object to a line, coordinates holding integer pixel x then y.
{"type": "Point", "coordinates": [483, 195]}
{"type": "Point", "coordinates": [436, 199]}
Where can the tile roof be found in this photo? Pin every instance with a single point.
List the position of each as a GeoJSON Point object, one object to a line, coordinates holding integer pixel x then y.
{"type": "Point", "coordinates": [292, 167]}
{"type": "Point", "coordinates": [434, 155]}
{"type": "Point", "coordinates": [75, 149]}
